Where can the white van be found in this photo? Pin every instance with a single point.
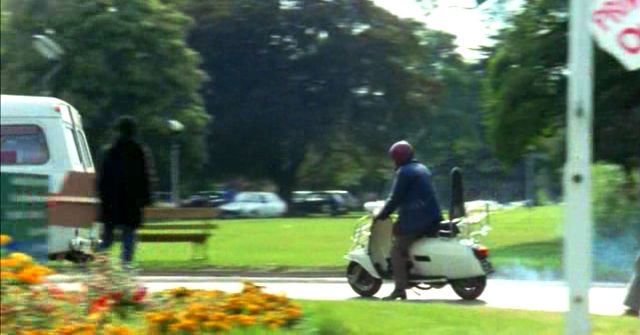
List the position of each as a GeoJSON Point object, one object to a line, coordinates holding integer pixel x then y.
{"type": "Point", "coordinates": [43, 135]}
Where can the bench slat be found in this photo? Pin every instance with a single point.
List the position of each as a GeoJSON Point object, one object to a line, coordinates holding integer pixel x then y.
{"type": "Point", "coordinates": [158, 226]}
{"type": "Point", "coordinates": [185, 213]}
{"type": "Point", "coordinates": [196, 238]}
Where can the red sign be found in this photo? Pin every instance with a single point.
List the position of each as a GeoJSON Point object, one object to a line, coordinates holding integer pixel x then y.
{"type": "Point", "coordinates": [616, 28]}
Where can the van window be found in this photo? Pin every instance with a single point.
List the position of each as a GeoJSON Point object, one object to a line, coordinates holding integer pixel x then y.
{"type": "Point", "coordinates": [23, 145]}
{"type": "Point", "coordinates": [70, 140]}
{"type": "Point", "coordinates": [65, 112]}
{"type": "Point", "coordinates": [84, 149]}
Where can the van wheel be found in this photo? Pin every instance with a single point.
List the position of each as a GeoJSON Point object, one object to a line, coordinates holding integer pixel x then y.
{"type": "Point", "coordinates": [361, 281]}
{"type": "Point", "coordinates": [78, 257]}
{"type": "Point", "coordinates": [470, 288]}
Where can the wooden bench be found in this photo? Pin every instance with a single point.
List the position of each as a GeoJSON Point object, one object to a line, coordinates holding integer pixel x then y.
{"type": "Point", "coordinates": [175, 233]}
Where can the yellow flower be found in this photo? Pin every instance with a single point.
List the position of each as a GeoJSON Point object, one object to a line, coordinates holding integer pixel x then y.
{"type": "Point", "coordinates": [7, 275]}
{"type": "Point", "coordinates": [34, 332]}
{"type": "Point", "coordinates": [186, 325]}
{"type": "Point", "coordinates": [94, 316]}
{"type": "Point", "coordinates": [117, 330]}
{"type": "Point", "coordinates": [21, 258]}
{"type": "Point", "coordinates": [159, 317]}
{"type": "Point", "coordinates": [5, 239]}
{"type": "Point", "coordinates": [29, 276]}
{"type": "Point", "coordinates": [293, 312]}
{"type": "Point", "coordinates": [243, 320]}
{"type": "Point", "coordinates": [217, 325]}
{"type": "Point", "coordinates": [8, 263]}
{"type": "Point", "coordinates": [41, 270]}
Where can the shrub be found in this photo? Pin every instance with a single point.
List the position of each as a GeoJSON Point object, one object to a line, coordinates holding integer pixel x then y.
{"type": "Point", "coordinates": [616, 198]}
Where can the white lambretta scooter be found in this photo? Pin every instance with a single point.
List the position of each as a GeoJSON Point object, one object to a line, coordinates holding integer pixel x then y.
{"type": "Point", "coordinates": [454, 257]}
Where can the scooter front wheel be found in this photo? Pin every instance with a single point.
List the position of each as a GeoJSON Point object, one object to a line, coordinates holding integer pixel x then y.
{"type": "Point", "coordinates": [361, 281]}
{"type": "Point", "coordinates": [470, 288]}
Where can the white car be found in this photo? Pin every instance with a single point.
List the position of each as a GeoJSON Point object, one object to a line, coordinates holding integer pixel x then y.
{"type": "Point", "coordinates": [254, 204]}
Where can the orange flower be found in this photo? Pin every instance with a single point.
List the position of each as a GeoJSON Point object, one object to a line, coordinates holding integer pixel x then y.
{"type": "Point", "coordinates": [185, 325]}
{"type": "Point", "coordinates": [5, 239]}
{"type": "Point", "coordinates": [117, 330]}
{"type": "Point", "coordinates": [8, 263]}
{"type": "Point", "coordinates": [22, 258]}
{"type": "Point", "coordinates": [41, 270]}
{"type": "Point", "coordinates": [34, 332]}
{"type": "Point", "coordinates": [30, 276]}
{"type": "Point", "coordinates": [7, 275]}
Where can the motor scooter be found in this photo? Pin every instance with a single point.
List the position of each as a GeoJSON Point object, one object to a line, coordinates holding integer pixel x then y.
{"type": "Point", "coordinates": [454, 257]}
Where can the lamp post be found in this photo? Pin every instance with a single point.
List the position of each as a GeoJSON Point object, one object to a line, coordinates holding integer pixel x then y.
{"type": "Point", "coordinates": [176, 128]}
{"type": "Point", "coordinates": [53, 52]}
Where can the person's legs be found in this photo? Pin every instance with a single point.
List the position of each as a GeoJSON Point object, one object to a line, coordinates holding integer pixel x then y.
{"type": "Point", "coordinates": [633, 296]}
{"type": "Point", "coordinates": [107, 238]}
{"type": "Point", "coordinates": [399, 260]}
{"type": "Point", "coordinates": [128, 243]}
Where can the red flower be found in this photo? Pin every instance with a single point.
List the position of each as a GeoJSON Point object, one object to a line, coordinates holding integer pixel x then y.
{"type": "Point", "coordinates": [56, 292]}
{"type": "Point", "coordinates": [99, 304]}
{"type": "Point", "coordinates": [139, 294]}
{"type": "Point", "coordinates": [116, 296]}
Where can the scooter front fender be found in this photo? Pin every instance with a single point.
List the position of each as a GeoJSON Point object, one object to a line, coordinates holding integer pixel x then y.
{"type": "Point", "coordinates": [361, 257]}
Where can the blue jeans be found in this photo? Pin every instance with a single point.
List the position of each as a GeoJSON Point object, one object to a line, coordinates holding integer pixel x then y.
{"type": "Point", "coordinates": [128, 241]}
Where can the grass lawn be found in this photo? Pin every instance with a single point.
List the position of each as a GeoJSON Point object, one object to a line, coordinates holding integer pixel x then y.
{"type": "Point", "coordinates": [283, 242]}
{"type": "Point", "coordinates": [524, 242]}
{"type": "Point", "coordinates": [528, 237]}
{"type": "Point", "coordinates": [376, 317]}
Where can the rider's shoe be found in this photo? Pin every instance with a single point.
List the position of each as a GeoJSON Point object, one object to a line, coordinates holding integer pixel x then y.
{"type": "Point", "coordinates": [396, 294]}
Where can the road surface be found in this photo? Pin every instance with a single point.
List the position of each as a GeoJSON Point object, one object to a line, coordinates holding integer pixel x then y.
{"type": "Point", "coordinates": [605, 299]}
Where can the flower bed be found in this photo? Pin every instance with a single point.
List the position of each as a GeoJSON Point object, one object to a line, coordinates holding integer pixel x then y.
{"type": "Point", "coordinates": [110, 301]}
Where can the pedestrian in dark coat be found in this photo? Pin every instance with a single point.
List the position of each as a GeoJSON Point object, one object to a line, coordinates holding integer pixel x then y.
{"type": "Point", "coordinates": [123, 188]}
{"type": "Point", "coordinates": [632, 301]}
{"type": "Point", "coordinates": [418, 211]}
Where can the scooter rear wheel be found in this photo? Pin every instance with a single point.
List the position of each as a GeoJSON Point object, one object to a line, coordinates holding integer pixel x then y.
{"type": "Point", "coordinates": [470, 288]}
{"type": "Point", "coordinates": [361, 281]}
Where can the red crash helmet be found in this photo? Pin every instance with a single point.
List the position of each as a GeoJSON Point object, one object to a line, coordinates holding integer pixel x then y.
{"type": "Point", "coordinates": [401, 152]}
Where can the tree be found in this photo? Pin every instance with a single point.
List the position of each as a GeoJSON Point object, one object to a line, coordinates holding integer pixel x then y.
{"type": "Point", "coordinates": [121, 57]}
{"type": "Point", "coordinates": [525, 90]}
{"type": "Point", "coordinates": [287, 76]}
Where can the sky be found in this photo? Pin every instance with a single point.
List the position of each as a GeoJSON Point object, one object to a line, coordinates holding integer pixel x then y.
{"type": "Point", "coordinates": [470, 25]}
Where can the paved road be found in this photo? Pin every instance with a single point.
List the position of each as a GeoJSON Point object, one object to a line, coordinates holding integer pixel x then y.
{"type": "Point", "coordinates": [605, 299]}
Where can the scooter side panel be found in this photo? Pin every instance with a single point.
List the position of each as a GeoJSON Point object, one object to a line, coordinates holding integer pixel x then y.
{"type": "Point", "coordinates": [444, 257]}
{"type": "Point", "coordinates": [361, 257]}
{"type": "Point", "coordinates": [380, 243]}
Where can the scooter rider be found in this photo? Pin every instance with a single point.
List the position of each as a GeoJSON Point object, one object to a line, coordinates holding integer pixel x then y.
{"type": "Point", "coordinates": [419, 212]}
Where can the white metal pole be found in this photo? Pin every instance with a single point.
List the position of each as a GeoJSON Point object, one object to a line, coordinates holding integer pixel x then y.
{"type": "Point", "coordinates": [577, 178]}
{"type": "Point", "coordinates": [175, 172]}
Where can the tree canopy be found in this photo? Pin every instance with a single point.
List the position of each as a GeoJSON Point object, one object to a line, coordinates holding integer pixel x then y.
{"type": "Point", "coordinates": [298, 80]}
{"type": "Point", "coordinates": [525, 90]}
{"type": "Point", "coordinates": [121, 57]}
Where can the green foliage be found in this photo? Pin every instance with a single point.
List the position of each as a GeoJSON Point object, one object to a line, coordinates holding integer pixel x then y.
{"type": "Point", "coordinates": [525, 90]}
{"type": "Point", "coordinates": [121, 57]}
{"type": "Point", "coordinates": [616, 199]}
{"type": "Point", "coordinates": [289, 76]}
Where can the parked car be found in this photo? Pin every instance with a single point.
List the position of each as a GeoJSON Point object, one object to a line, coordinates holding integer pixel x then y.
{"type": "Point", "coordinates": [350, 201]}
{"type": "Point", "coordinates": [308, 202]}
{"type": "Point", "coordinates": [205, 199]}
{"type": "Point", "coordinates": [254, 204]}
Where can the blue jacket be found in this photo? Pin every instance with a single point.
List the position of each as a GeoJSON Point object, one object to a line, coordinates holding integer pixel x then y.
{"type": "Point", "coordinates": [413, 195]}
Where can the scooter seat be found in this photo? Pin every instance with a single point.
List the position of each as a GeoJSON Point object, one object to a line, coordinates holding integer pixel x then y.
{"type": "Point", "coordinates": [449, 228]}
